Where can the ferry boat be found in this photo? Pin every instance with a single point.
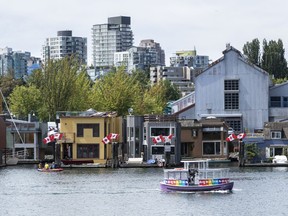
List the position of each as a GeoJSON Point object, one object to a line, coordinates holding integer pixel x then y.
{"type": "Point", "coordinates": [196, 176]}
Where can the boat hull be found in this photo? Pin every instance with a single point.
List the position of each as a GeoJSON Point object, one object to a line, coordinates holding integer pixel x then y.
{"type": "Point", "coordinates": [196, 188]}
{"type": "Point", "coordinates": [51, 170]}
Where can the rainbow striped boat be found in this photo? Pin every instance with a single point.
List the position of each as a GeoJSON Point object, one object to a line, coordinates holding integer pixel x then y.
{"type": "Point", "coordinates": [196, 176]}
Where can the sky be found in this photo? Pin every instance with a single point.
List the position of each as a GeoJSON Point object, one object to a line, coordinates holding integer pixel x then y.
{"type": "Point", "coordinates": [204, 25]}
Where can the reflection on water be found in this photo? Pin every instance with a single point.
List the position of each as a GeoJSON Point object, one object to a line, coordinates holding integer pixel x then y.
{"type": "Point", "coordinates": [100, 191]}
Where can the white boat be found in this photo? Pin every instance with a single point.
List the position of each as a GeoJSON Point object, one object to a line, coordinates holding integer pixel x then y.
{"type": "Point", "coordinates": [196, 176]}
{"type": "Point", "coordinates": [280, 159]}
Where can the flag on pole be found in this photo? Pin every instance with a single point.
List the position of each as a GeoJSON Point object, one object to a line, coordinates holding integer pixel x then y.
{"type": "Point", "coordinates": [58, 136]}
{"type": "Point", "coordinates": [48, 139]}
{"type": "Point", "coordinates": [113, 136]}
{"type": "Point", "coordinates": [106, 140]}
{"type": "Point", "coordinates": [168, 138]}
{"type": "Point", "coordinates": [241, 136]}
{"type": "Point", "coordinates": [158, 139]}
{"type": "Point", "coordinates": [231, 137]}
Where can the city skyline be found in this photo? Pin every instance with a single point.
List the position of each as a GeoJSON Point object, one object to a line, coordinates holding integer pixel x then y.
{"type": "Point", "coordinates": [206, 26]}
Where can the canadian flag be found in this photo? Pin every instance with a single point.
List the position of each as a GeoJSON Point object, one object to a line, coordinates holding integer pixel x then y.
{"type": "Point", "coordinates": [106, 140]}
{"type": "Point", "coordinates": [158, 139]}
{"type": "Point", "coordinates": [241, 136]}
{"type": "Point", "coordinates": [48, 139]}
{"type": "Point", "coordinates": [113, 136]}
{"type": "Point", "coordinates": [231, 138]}
{"type": "Point", "coordinates": [168, 138]}
{"type": "Point", "coordinates": [58, 136]}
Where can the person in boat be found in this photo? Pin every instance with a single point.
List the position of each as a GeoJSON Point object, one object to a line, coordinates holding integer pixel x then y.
{"type": "Point", "coordinates": [192, 174]}
{"type": "Point", "coordinates": [53, 165]}
{"type": "Point", "coordinates": [40, 166]}
{"type": "Point", "coordinates": [46, 166]}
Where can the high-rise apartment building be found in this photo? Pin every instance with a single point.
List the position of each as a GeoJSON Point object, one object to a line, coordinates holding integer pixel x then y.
{"type": "Point", "coordinates": [14, 62]}
{"type": "Point", "coordinates": [147, 54]}
{"type": "Point", "coordinates": [65, 45]}
{"type": "Point", "coordinates": [116, 36]}
{"type": "Point", "coordinates": [189, 58]}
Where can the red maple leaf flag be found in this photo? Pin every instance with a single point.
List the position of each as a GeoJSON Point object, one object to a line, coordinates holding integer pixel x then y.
{"type": "Point", "coordinates": [241, 136]}
{"type": "Point", "coordinates": [231, 138]}
{"type": "Point", "coordinates": [52, 138]}
{"type": "Point", "coordinates": [46, 140]}
{"type": "Point", "coordinates": [58, 136]}
{"type": "Point", "coordinates": [106, 140]}
{"type": "Point", "coordinates": [158, 139]}
{"type": "Point", "coordinates": [113, 136]}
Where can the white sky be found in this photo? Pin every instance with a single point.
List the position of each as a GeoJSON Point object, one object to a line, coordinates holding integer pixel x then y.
{"type": "Point", "coordinates": [206, 25]}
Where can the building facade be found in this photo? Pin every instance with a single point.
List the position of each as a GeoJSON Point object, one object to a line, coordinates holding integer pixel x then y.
{"type": "Point", "coordinates": [233, 89]}
{"type": "Point", "coordinates": [64, 44]}
{"type": "Point", "coordinates": [189, 58]}
{"type": "Point", "coordinates": [83, 133]}
{"type": "Point", "coordinates": [179, 76]}
{"type": "Point", "coordinates": [115, 36]}
{"type": "Point", "coordinates": [14, 62]}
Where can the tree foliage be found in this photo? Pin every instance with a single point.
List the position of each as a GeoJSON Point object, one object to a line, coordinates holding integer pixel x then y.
{"type": "Point", "coordinates": [273, 59]}
{"type": "Point", "coordinates": [116, 91]}
{"type": "Point", "coordinates": [62, 85]}
{"type": "Point", "coordinates": [25, 100]}
{"type": "Point", "coordinates": [252, 51]}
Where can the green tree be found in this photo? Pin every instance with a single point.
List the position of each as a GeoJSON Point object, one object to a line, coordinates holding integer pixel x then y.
{"type": "Point", "coordinates": [8, 83]}
{"type": "Point", "coordinates": [116, 91]}
{"type": "Point", "coordinates": [25, 100]}
{"type": "Point", "coordinates": [172, 92]}
{"type": "Point", "coordinates": [273, 58]}
{"type": "Point", "coordinates": [252, 51]}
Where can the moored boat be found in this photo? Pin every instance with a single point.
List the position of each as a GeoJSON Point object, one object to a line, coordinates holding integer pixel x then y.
{"type": "Point", "coordinates": [196, 176]}
{"type": "Point", "coordinates": [50, 170]}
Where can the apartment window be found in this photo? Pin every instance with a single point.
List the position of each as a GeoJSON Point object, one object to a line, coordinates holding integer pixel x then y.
{"type": "Point", "coordinates": [231, 94]}
{"type": "Point", "coordinates": [275, 135]}
{"type": "Point", "coordinates": [81, 127]}
{"type": "Point", "coordinates": [275, 101]}
{"type": "Point", "coordinates": [88, 151]}
{"type": "Point", "coordinates": [211, 148]}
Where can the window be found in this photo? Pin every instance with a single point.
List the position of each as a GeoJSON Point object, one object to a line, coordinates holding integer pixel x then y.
{"type": "Point", "coordinates": [230, 85]}
{"type": "Point", "coordinates": [88, 151]}
{"type": "Point", "coordinates": [157, 150]}
{"type": "Point", "coordinates": [275, 101]}
{"type": "Point", "coordinates": [211, 148]}
{"type": "Point", "coordinates": [235, 124]}
{"type": "Point", "coordinates": [231, 94]}
{"type": "Point", "coordinates": [81, 127]}
{"type": "Point", "coordinates": [285, 101]}
{"type": "Point", "coordinates": [275, 135]}
{"type": "Point", "coordinates": [231, 101]}
{"type": "Point", "coordinates": [160, 131]}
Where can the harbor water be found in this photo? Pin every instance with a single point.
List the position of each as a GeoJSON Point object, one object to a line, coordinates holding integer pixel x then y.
{"type": "Point", "coordinates": [135, 191]}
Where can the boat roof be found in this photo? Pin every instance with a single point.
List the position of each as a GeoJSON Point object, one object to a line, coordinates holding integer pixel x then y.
{"type": "Point", "coordinates": [196, 161]}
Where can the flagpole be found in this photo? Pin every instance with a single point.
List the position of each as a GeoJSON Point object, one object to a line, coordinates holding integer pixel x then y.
{"type": "Point", "coordinates": [241, 153]}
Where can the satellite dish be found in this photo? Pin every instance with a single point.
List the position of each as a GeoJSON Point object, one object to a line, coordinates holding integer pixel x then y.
{"type": "Point", "coordinates": [130, 111]}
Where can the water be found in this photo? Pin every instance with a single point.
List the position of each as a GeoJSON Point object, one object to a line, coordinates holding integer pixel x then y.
{"type": "Point", "coordinates": [135, 191]}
